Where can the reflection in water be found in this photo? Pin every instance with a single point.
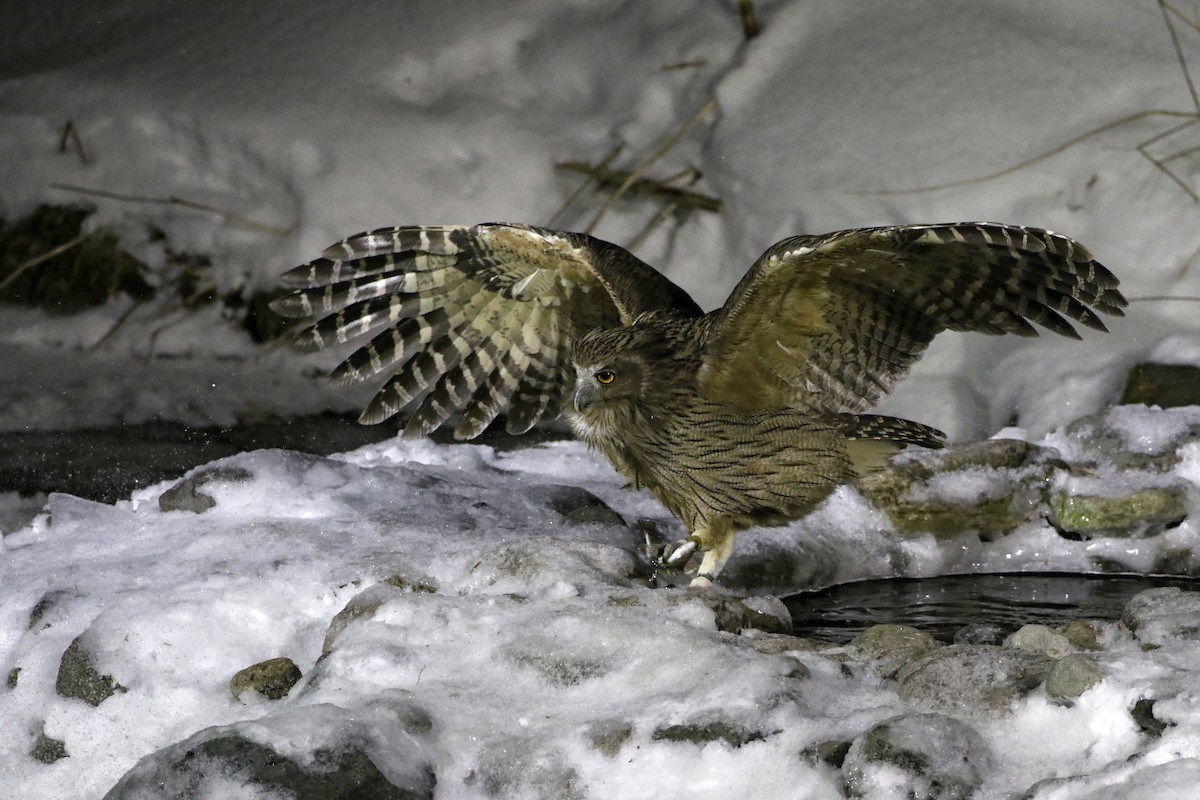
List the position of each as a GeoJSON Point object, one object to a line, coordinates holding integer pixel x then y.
{"type": "Point", "coordinates": [942, 605]}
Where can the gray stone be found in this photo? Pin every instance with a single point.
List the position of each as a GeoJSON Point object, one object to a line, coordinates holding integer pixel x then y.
{"type": "Point", "coordinates": [48, 607]}
{"type": "Point", "coordinates": [193, 771]}
{"type": "Point", "coordinates": [77, 677]}
{"type": "Point", "coordinates": [608, 736]}
{"type": "Point", "coordinates": [1157, 616]}
{"type": "Point", "coordinates": [734, 615]}
{"type": "Point", "coordinates": [363, 604]}
{"type": "Point", "coordinates": [1039, 639]}
{"type": "Point", "coordinates": [979, 633]}
{"type": "Point", "coordinates": [1073, 675]}
{"type": "Point", "coordinates": [702, 733]}
{"type": "Point", "coordinates": [576, 505]}
{"type": "Point", "coordinates": [891, 647]}
{"type": "Point", "coordinates": [338, 759]}
{"type": "Point", "coordinates": [1143, 716]}
{"type": "Point", "coordinates": [973, 677]}
{"type": "Point", "coordinates": [1100, 440]}
{"type": "Point", "coordinates": [919, 756]}
{"type": "Point", "coordinates": [186, 495]}
{"type": "Point", "coordinates": [272, 678]}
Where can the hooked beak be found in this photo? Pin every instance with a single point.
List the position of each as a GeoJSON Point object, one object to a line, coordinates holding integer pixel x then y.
{"type": "Point", "coordinates": [584, 394]}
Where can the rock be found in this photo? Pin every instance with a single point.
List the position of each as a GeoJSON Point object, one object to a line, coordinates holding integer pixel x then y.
{"type": "Point", "coordinates": [918, 756]}
{"type": "Point", "coordinates": [338, 761]}
{"type": "Point", "coordinates": [702, 733]}
{"type": "Point", "coordinates": [48, 750]}
{"type": "Point", "coordinates": [77, 677]}
{"type": "Point", "coordinates": [1039, 639]}
{"type": "Point", "coordinates": [272, 678]}
{"type": "Point", "coordinates": [1162, 385]}
{"type": "Point", "coordinates": [422, 585]}
{"type": "Point", "coordinates": [913, 495]}
{"type": "Point", "coordinates": [1126, 513]}
{"type": "Point", "coordinates": [555, 666]}
{"type": "Point", "coordinates": [14, 675]}
{"type": "Point", "coordinates": [1143, 716]}
{"type": "Point", "coordinates": [775, 643]}
{"type": "Point", "coordinates": [1134, 436]}
{"type": "Point", "coordinates": [891, 647]}
{"type": "Point", "coordinates": [973, 677]}
{"type": "Point", "coordinates": [832, 752]}
{"type": "Point", "coordinates": [576, 505]}
{"type": "Point", "coordinates": [45, 608]}
{"type": "Point", "coordinates": [734, 615]}
{"type": "Point", "coordinates": [363, 604]}
{"type": "Point", "coordinates": [1073, 675]}
{"type": "Point", "coordinates": [1157, 616]}
{"type": "Point", "coordinates": [1081, 634]}
{"type": "Point", "coordinates": [608, 736]}
{"type": "Point", "coordinates": [186, 495]}
{"type": "Point", "coordinates": [517, 767]}
{"type": "Point", "coordinates": [979, 633]}
{"type": "Point", "coordinates": [206, 766]}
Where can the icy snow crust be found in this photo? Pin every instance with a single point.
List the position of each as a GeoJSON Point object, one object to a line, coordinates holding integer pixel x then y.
{"type": "Point", "coordinates": [544, 664]}
{"type": "Point", "coordinates": [540, 641]}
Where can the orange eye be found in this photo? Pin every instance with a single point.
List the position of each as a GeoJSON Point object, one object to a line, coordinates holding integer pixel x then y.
{"type": "Point", "coordinates": [606, 376]}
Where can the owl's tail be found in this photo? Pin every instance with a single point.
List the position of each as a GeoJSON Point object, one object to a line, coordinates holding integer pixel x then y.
{"type": "Point", "coordinates": [872, 439]}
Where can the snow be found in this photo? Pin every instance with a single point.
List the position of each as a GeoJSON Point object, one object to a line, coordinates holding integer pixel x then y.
{"type": "Point", "coordinates": [323, 120]}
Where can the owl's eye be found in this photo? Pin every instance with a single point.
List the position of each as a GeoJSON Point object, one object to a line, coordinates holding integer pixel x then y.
{"type": "Point", "coordinates": [606, 376]}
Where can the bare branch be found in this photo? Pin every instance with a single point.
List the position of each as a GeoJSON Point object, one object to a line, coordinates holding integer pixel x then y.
{"type": "Point", "coordinates": [232, 216]}
{"type": "Point", "coordinates": [647, 162]}
{"type": "Point", "coordinates": [1105, 128]}
{"type": "Point", "coordinates": [70, 135]}
{"type": "Point", "coordinates": [750, 24]}
{"type": "Point", "coordinates": [604, 176]}
{"type": "Point", "coordinates": [41, 259]}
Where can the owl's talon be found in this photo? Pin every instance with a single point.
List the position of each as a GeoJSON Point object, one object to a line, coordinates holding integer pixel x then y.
{"type": "Point", "coordinates": [675, 555]}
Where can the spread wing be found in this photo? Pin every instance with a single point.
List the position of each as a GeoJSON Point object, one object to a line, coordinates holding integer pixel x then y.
{"type": "Point", "coordinates": [468, 320]}
{"type": "Point", "coordinates": [833, 321]}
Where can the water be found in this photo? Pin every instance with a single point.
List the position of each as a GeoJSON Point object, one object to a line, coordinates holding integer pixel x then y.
{"type": "Point", "coordinates": [943, 605]}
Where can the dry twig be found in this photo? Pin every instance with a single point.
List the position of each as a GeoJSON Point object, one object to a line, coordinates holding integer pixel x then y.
{"type": "Point", "coordinates": [232, 216]}
{"type": "Point", "coordinates": [70, 135]}
{"type": "Point", "coordinates": [605, 176]}
{"type": "Point", "coordinates": [750, 24]}
{"type": "Point", "coordinates": [1189, 118]}
{"type": "Point", "coordinates": [640, 168]}
{"type": "Point", "coordinates": [40, 259]}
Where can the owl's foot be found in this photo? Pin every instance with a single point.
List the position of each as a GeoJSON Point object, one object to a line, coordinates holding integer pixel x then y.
{"type": "Point", "coordinates": [676, 554]}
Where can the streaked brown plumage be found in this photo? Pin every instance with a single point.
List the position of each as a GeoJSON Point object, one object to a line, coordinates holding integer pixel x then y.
{"type": "Point", "coordinates": [747, 415]}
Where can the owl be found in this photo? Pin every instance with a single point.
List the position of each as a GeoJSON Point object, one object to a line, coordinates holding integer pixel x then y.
{"type": "Point", "coordinates": [747, 415]}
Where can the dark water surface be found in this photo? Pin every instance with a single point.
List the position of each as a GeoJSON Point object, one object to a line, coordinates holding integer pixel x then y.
{"type": "Point", "coordinates": [943, 605]}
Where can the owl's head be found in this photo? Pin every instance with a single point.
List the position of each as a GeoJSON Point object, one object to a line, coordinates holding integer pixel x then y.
{"type": "Point", "coordinates": [614, 372]}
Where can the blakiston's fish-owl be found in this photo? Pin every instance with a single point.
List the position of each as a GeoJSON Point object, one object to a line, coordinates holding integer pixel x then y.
{"type": "Point", "coordinates": [747, 415]}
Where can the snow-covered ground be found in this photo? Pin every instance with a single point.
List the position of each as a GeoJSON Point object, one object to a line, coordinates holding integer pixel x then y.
{"type": "Point", "coordinates": [324, 120]}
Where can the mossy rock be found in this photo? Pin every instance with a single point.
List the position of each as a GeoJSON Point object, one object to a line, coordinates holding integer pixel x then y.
{"type": "Point", "coordinates": [273, 678]}
{"type": "Point", "coordinates": [78, 677]}
{"type": "Point", "coordinates": [48, 750]}
{"type": "Point", "coordinates": [703, 733]}
{"type": "Point", "coordinates": [1137, 513]}
{"type": "Point", "coordinates": [1162, 385]}
{"type": "Point", "coordinates": [906, 491]}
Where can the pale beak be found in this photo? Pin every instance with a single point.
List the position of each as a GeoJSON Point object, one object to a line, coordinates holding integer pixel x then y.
{"type": "Point", "coordinates": [585, 394]}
